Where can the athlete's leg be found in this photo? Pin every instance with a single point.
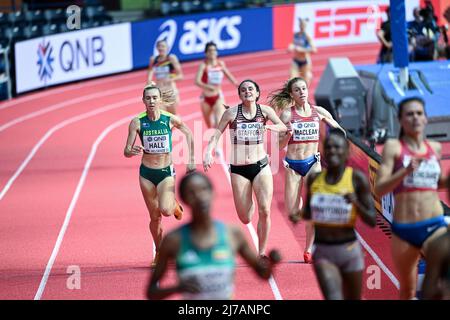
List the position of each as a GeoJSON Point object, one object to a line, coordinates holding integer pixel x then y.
{"type": "Point", "coordinates": [166, 196]}
{"type": "Point", "coordinates": [263, 187]}
{"type": "Point", "coordinates": [150, 197]}
{"type": "Point", "coordinates": [172, 108]}
{"type": "Point", "coordinates": [330, 280]}
{"type": "Point", "coordinates": [218, 110]}
{"type": "Point", "coordinates": [207, 112]}
{"type": "Point", "coordinates": [309, 226]}
{"type": "Point", "coordinates": [351, 284]}
{"type": "Point", "coordinates": [306, 73]}
{"type": "Point", "coordinates": [242, 196]}
{"type": "Point", "coordinates": [292, 196]}
{"type": "Point", "coordinates": [294, 71]}
{"type": "Point", "coordinates": [405, 259]}
{"type": "Point", "coordinates": [430, 239]}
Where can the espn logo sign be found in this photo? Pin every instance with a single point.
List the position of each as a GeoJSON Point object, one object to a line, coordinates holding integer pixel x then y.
{"type": "Point", "coordinates": [347, 22]}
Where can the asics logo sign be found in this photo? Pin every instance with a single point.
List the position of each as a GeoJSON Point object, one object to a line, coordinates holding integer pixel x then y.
{"type": "Point", "coordinates": [168, 32]}
{"type": "Point", "coordinates": [195, 34]}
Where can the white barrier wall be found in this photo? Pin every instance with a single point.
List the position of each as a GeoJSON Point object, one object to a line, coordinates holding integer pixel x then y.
{"type": "Point", "coordinates": [72, 56]}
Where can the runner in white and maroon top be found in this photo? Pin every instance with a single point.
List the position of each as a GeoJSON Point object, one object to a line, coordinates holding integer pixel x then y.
{"type": "Point", "coordinates": [209, 78]}
{"type": "Point", "coordinates": [302, 140]}
{"type": "Point", "coordinates": [249, 161]}
{"type": "Point", "coordinates": [410, 169]}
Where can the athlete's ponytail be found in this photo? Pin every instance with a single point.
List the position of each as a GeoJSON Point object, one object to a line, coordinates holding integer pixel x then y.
{"type": "Point", "coordinates": [281, 98]}
{"type": "Point", "coordinates": [168, 97]}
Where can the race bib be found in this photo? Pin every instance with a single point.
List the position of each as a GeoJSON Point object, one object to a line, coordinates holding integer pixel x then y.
{"type": "Point", "coordinates": [157, 144]}
{"type": "Point", "coordinates": [216, 282]}
{"type": "Point", "coordinates": [305, 131]}
{"type": "Point", "coordinates": [330, 209]}
{"type": "Point", "coordinates": [215, 77]}
{"type": "Point", "coordinates": [250, 131]}
{"type": "Point", "coordinates": [162, 72]}
{"type": "Point", "coordinates": [426, 176]}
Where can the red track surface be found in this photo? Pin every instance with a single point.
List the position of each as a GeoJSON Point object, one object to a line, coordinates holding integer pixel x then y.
{"type": "Point", "coordinates": [107, 234]}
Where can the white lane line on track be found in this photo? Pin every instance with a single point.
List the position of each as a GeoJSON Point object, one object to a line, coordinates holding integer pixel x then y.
{"type": "Point", "coordinates": [68, 87]}
{"type": "Point", "coordinates": [65, 104]}
{"type": "Point", "coordinates": [272, 282]}
{"type": "Point", "coordinates": [77, 193]}
{"type": "Point", "coordinates": [50, 132]}
{"type": "Point", "coordinates": [69, 212]}
{"type": "Point", "coordinates": [378, 261]}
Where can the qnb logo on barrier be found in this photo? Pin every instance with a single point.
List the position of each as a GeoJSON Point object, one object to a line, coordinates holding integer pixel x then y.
{"type": "Point", "coordinates": [45, 60]}
{"type": "Point", "coordinates": [347, 22]}
{"type": "Point", "coordinates": [223, 31]}
{"type": "Point", "coordinates": [88, 52]}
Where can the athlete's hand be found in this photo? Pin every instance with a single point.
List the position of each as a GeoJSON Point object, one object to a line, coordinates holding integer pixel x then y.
{"type": "Point", "coordinates": [207, 161]}
{"type": "Point", "coordinates": [295, 217]}
{"type": "Point", "coordinates": [290, 48]}
{"type": "Point", "coordinates": [414, 164]}
{"type": "Point", "coordinates": [136, 150]}
{"type": "Point", "coordinates": [289, 132]}
{"type": "Point", "coordinates": [190, 167]}
{"type": "Point", "coordinates": [189, 285]}
{"type": "Point", "coordinates": [350, 197]}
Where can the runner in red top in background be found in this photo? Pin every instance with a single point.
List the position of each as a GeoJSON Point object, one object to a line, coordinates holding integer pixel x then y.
{"type": "Point", "coordinates": [209, 79]}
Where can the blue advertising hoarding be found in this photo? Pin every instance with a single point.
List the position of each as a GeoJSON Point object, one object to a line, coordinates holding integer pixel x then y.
{"type": "Point", "coordinates": [234, 31]}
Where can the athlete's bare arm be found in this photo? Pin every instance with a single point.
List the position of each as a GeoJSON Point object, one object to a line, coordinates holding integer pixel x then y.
{"type": "Point", "coordinates": [264, 270]}
{"type": "Point", "coordinates": [179, 124]}
{"type": "Point", "coordinates": [227, 117]}
{"type": "Point", "coordinates": [313, 48]}
{"type": "Point", "coordinates": [177, 66]}
{"type": "Point", "coordinates": [362, 198]}
{"type": "Point", "coordinates": [437, 148]}
{"type": "Point", "coordinates": [168, 250]}
{"type": "Point", "coordinates": [228, 74]}
{"type": "Point", "coordinates": [278, 125]}
{"type": "Point", "coordinates": [328, 118]}
{"type": "Point", "coordinates": [387, 180]}
{"type": "Point", "coordinates": [130, 148]}
{"type": "Point", "coordinates": [198, 78]}
{"type": "Point", "coordinates": [283, 137]}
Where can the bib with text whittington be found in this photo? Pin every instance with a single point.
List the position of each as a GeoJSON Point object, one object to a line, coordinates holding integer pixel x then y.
{"type": "Point", "coordinates": [328, 205]}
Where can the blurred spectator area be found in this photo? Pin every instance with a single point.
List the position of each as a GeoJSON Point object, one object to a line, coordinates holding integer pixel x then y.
{"type": "Point", "coordinates": [23, 20]}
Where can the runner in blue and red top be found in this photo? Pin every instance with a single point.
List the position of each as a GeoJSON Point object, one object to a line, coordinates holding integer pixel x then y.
{"type": "Point", "coordinates": [410, 169]}
{"type": "Point", "coordinates": [302, 140]}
